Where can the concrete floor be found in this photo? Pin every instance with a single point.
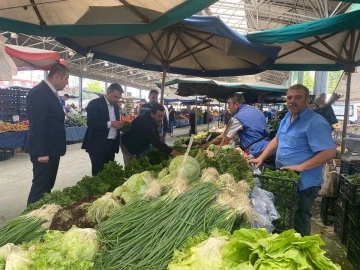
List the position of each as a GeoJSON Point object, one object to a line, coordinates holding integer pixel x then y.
{"type": "Point", "coordinates": [16, 174]}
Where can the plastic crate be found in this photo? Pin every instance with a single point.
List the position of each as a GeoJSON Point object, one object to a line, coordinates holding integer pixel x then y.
{"type": "Point", "coordinates": [341, 202]}
{"type": "Point", "coordinates": [353, 251]}
{"type": "Point", "coordinates": [287, 218]}
{"type": "Point", "coordinates": [349, 190]}
{"type": "Point", "coordinates": [327, 212]}
{"type": "Point", "coordinates": [285, 190]}
{"type": "Point", "coordinates": [348, 167]}
{"type": "Point", "coordinates": [354, 214]}
{"type": "Point", "coordinates": [6, 154]}
{"type": "Point", "coordinates": [342, 231]}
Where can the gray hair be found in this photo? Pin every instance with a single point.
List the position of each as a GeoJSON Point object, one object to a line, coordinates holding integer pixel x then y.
{"type": "Point", "coordinates": [238, 98]}
{"type": "Point", "coordinates": [114, 87]}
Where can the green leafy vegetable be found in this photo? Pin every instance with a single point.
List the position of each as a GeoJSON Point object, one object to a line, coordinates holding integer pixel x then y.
{"type": "Point", "coordinates": [103, 207]}
{"type": "Point", "coordinates": [287, 250]}
{"type": "Point", "coordinates": [191, 167]}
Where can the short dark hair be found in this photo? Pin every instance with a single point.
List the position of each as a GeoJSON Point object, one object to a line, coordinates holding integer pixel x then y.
{"type": "Point", "coordinates": [153, 92]}
{"type": "Point", "coordinates": [114, 87]}
{"type": "Point", "coordinates": [66, 95]}
{"type": "Point", "coordinates": [157, 107]}
{"type": "Point", "coordinates": [238, 98]}
{"type": "Point", "coordinates": [58, 69]}
{"type": "Point", "coordinates": [300, 87]}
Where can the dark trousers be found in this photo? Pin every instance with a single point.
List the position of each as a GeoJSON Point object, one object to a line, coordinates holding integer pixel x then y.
{"type": "Point", "coordinates": [44, 177]}
{"type": "Point", "coordinates": [303, 213]}
{"type": "Point", "coordinates": [98, 160]}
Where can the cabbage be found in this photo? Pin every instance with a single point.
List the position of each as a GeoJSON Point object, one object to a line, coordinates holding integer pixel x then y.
{"type": "Point", "coordinates": [80, 244]}
{"type": "Point", "coordinates": [167, 180]}
{"type": "Point", "coordinates": [19, 260]}
{"type": "Point", "coordinates": [135, 185]}
{"type": "Point", "coordinates": [191, 167]}
{"type": "Point", "coordinates": [5, 251]}
{"type": "Point", "coordinates": [103, 207]}
{"type": "Point", "coordinates": [201, 252]}
{"type": "Point", "coordinates": [163, 173]}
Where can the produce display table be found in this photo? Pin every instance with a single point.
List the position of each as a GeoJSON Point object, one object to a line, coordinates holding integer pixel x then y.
{"type": "Point", "coordinates": [181, 123]}
{"type": "Point", "coordinates": [75, 133]}
{"type": "Point", "coordinates": [13, 139]}
{"type": "Point", "coordinates": [16, 139]}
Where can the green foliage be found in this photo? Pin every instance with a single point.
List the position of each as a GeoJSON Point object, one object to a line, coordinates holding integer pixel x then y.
{"type": "Point", "coordinates": [111, 177]}
{"type": "Point", "coordinates": [94, 86]}
{"type": "Point", "coordinates": [309, 80]}
{"type": "Point", "coordinates": [281, 174]}
{"type": "Point", "coordinates": [75, 120]}
{"type": "Point", "coordinates": [334, 77]}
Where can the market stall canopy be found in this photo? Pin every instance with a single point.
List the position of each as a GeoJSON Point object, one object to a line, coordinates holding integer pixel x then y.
{"type": "Point", "coordinates": [100, 94]}
{"type": "Point", "coordinates": [68, 18]}
{"type": "Point", "coordinates": [27, 58]}
{"type": "Point", "coordinates": [199, 46]}
{"type": "Point", "coordinates": [176, 98]}
{"type": "Point", "coordinates": [326, 44]}
{"type": "Point", "coordinates": [223, 90]}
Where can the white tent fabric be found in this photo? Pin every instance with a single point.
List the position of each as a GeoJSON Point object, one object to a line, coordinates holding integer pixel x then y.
{"type": "Point", "coordinates": [7, 66]}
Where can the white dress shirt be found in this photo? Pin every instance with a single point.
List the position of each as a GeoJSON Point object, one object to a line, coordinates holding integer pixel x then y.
{"type": "Point", "coordinates": [112, 131]}
{"type": "Point", "coordinates": [52, 88]}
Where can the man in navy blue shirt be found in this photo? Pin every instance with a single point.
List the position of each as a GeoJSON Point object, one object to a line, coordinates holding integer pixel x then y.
{"type": "Point", "coordinates": [302, 144]}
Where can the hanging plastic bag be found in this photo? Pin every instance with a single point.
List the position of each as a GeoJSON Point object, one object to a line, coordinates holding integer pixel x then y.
{"type": "Point", "coordinates": [331, 180]}
{"type": "Point", "coordinates": [262, 202]}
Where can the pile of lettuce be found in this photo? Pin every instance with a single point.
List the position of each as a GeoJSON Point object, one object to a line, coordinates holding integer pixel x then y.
{"type": "Point", "coordinates": [252, 249]}
{"type": "Point", "coordinates": [75, 250]}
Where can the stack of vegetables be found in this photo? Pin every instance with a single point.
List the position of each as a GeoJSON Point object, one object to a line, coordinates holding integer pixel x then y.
{"type": "Point", "coordinates": [135, 217]}
{"type": "Point", "coordinates": [75, 120]}
{"type": "Point", "coordinates": [251, 249]}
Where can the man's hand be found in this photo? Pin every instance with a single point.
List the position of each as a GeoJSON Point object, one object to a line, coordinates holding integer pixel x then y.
{"type": "Point", "coordinates": [257, 161]}
{"type": "Point", "coordinates": [205, 146]}
{"type": "Point", "coordinates": [295, 168]}
{"type": "Point", "coordinates": [117, 124]}
{"type": "Point", "coordinates": [217, 140]}
{"type": "Point", "coordinates": [44, 159]}
{"type": "Point", "coordinates": [175, 153]}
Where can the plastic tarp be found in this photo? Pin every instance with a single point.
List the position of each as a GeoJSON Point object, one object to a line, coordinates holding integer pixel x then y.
{"type": "Point", "coordinates": [200, 46]}
{"type": "Point", "coordinates": [27, 58]}
{"type": "Point", "coordinates": [95, 17]}
{"type": "Point", "coordinates": [336, 32]}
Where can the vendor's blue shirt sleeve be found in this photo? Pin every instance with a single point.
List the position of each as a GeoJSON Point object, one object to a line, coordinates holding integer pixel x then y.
{"type": "Point", "coordinates": [318, 136]}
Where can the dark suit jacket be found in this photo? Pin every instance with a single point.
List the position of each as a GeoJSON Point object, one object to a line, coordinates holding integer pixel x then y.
{"type": "Point", "coordinates": [97, 131]}
{"type": "Point", "coordinates": [46, 136]}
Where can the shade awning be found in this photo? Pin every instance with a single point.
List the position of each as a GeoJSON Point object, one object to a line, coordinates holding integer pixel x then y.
{"type": "Point", "coordinates": [94, 17]}
{"type": "Point", "coordinates": [326, 44]}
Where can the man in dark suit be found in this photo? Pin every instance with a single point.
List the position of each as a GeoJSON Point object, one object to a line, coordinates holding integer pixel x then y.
{"type": "Point", "coordinates": [46, 140]}
{"type": "Point", "coordinates": [102, 138]}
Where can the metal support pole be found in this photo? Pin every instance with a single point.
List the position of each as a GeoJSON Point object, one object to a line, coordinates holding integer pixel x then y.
{"type": "Point", "coordinates": [321, 83]}
{"type": "Point", "coordinates": [80, 91]}
{"type": "Point", "coordinates": [208, 118]}
{"type": "Point", "coordinates": [300, 77]}
{"type": "Point", "coordinates": [195, 114]}
{"type": "Point", "coordinates": [346, 114]}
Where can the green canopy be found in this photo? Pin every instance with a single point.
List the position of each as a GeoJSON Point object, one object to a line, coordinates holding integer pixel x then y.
{"type": "Point", "coordinates": [326, 44]}
{"type": "Point", "coordinates": [253, 93]}
{"type": "Point", "coordinates": [87, 18]}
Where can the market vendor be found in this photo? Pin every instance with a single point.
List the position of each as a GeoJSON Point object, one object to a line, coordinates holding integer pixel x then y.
{"type": "Point", "coordinates": [144, 131]}
{"type": "Point", "coordinates": [248, 124]}
{"type": "Point", "coordinates": [303, 144]}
